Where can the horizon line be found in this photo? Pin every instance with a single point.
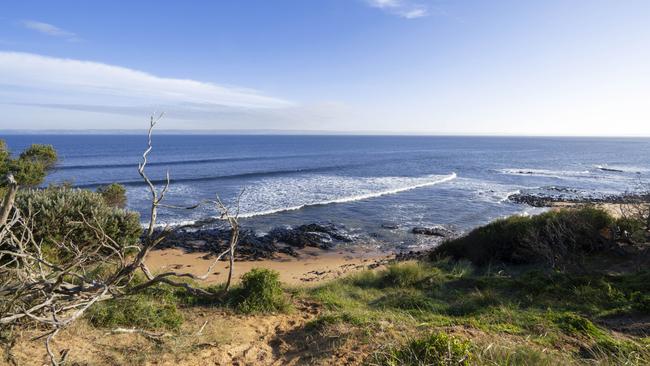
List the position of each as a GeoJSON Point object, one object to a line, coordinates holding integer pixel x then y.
{"type": "Point", "coordinates": [287, 132]}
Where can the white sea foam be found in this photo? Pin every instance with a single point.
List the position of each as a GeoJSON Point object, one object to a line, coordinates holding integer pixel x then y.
{"type": "Point", "coordinates": [353, 188]}
{"type": "Point", "coordinates": [622, 168]}
{"type": "Point", "coordinates": [280, 194]}
{"type": "Point", "coordinates": [547, 173]}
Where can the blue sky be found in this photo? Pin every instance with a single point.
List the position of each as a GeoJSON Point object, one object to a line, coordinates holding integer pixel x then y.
{"type": "Point", "coordinates": [553, 67]}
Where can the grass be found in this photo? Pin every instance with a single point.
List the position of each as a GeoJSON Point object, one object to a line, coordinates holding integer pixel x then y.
{"type": "Point", "coordinates": [161, 306]}
{"type": "Point", "coordinates": [437, 349]}
{"type": "Point", "coordinates": [260, 292]}
{"type": "Point", "coordinates": [448, 311]}
{"type": "Point", "coordinates": [544, 312]}
{"type": "Point", "coordinates": [143, 311]}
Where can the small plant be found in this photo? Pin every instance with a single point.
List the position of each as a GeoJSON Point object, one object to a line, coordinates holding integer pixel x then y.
{"type": "Point", "coordinates": [576, 325]}
{"type": "Point", "coordinates": [640, 302]}
{"type": "Point", "coordinates": [261, 292]}
{"type": "Point", "coordinates": [138, 311]}
{"type": "Point", "coordinates": [113, 194]}
{"type": "Point", "coordinates": [403, 275]}
{"type": "Point", "coordinates": [438, 349]}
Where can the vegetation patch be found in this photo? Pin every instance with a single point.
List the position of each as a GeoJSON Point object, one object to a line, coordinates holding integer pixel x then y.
{"type": "Point", "coordinates": [149, 311]}
{"type": "Point", "coordinates": [437, 349]}
{"type": "Point", "coordinates": [61, 213]}
{"type": "Point", "coordinates": [553, 238]}
{"type": "Point", "coordinates": [260, 292]}
{"type": "Point", "coordinates": [113, 194]}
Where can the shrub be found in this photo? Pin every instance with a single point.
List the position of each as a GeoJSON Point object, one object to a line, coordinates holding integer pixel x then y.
{"type": "Point", "coordinates": [113, 194]}
{"type": "Point", "coordinates": [634, 228]}
{"type": "Point", "coordinates": [261, 292]}
{"type": "Point", "coordinates": [576, 325]}
{"type": "Point", "coordinates": [438, 349]}
{"type": "Point", "coordinates": [31, 166]}
{"type": "Point", "coordinates": [57, 214]}
{"type": "Point", "coordinates": [554, 238]}
{"type": "Point", "coordinates": [640, 302]}
{"type": "Point", "coordinates": [141, 311]}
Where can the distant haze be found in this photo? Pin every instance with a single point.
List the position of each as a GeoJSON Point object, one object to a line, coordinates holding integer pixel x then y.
{"type": "Point", "coordinates": [327, 66]}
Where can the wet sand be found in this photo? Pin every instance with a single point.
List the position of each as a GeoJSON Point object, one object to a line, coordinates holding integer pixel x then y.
{"type": "Point", "coordinates": [312, 266]}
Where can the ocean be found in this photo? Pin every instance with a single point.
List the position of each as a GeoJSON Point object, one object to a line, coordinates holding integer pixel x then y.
{"type": "Point", "coordinates": [377, 187]}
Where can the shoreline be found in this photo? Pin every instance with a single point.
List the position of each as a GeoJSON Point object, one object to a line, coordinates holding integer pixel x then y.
{"type": "Point", "coordinates": [310, 267]}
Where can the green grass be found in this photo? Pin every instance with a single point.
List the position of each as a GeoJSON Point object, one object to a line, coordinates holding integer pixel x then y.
{"type": "Point", "coordinates": [544, 310]}
{"type": "Point", "coordinates": [437, 349]}
{"type": "Point", "coordinates": [154, 310]}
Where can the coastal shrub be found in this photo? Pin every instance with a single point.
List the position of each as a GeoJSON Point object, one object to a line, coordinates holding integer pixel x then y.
{"type": "Point", "coordinates": [142, 311]}
{"type": "Point", "coordinates": [633, 228]}
{"type": "Point", "coordinates": [437, 349]}
{"type": "Point", "coordinates": [640, 302]}
{"type": "Point", "coordinates": [58, 214]}
{"type": "Point", "coordinates": [113, 194]}
{"type": "Point", "coordinates": [261, 292]}
{"type": "Point", "coordinates": [554, 238]}
{"type": "Point", "coordinates": [30, 167]}
{"type": "Point", "coordinates": [576, 325]}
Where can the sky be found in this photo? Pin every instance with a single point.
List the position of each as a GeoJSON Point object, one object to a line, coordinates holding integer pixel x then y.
{"type": "Point", "coordinates": [539, 67]}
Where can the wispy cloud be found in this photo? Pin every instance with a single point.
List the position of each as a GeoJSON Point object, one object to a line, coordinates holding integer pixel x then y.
{"type": "Point", "coordinates": [35, 79]}
{"type": "Point", "coordinates": [49, 29]}
{"type": "Point", "coordinates": [402, 8]}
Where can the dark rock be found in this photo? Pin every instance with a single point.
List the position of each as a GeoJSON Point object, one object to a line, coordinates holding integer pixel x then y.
{"type": "Point", "coordinates": [433, 230]}
{"type": "Point", "coordinates": [574, 196]}
{"type": "Point", "coordinates": [254, 246]}
{"type": "Point", "coordinates": [389, 226]}
{"type": "Point", "coordinates": [310, 235]}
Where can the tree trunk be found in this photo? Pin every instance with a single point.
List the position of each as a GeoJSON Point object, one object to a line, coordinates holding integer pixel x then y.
{"type": "Point", "coordinates": [9, 199]}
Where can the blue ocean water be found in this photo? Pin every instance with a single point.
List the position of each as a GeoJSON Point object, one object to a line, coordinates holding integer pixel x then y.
{"type": "Point", "coordinates": [361, 182]}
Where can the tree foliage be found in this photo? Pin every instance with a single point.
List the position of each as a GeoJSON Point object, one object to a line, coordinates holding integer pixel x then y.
{"type": "Point", "coordinates": [113, 194]}
{"type": "Point", "coordinates": [31, 166]}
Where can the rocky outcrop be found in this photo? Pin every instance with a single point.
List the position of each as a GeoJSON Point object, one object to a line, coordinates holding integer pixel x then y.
{"type": "Point", "coordinates": [254, 246]}
{"type": "Point", "coordinates": [437, 230]}
{"type": "Point", "coordinates": [572, 196]}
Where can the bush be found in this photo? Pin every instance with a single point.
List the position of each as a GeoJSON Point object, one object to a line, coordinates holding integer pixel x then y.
{"type": "Point", "coordinates": [140, 311]}
{"type": "Point", "coordinates": [58, 214]}
{"type": "Point", "coordinates": [31, 166]}
{"type": "Point", "coordinates": [554, 238]}
{"type": "Point", "coordinates": [640, 302]}
{"type": "Point", "coordinates": [261, 292]}
{"type": "Point", "coordinates": [438, 349]}
{"type": "Point", "coordinates": [576, 325]}
{"type": "Point", "coordinates": [113, 194]}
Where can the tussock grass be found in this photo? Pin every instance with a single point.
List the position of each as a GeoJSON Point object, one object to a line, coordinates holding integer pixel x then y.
{"type": "Point", "coordinates": [542, 312]}
{"type": "Point", "coordinates": [260, 292]}
{"type": "Point", "coordinates": [437, 349]}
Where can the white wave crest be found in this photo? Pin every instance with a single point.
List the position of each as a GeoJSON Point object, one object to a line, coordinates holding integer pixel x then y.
{"type": "Point", "coordinates": [547, 173]}
{"type": "Point", "coordinates": [380, 186]}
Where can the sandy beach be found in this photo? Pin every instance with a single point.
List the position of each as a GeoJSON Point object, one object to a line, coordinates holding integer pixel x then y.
{"type": "Point", "coordinates": [312, 266]}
